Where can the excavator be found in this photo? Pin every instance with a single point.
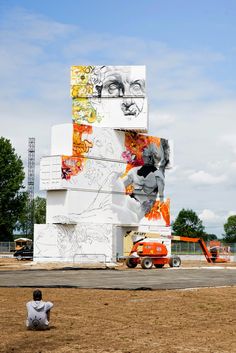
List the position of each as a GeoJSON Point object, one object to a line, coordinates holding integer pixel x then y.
{"type": "Point", "coordinates": [148, 252]}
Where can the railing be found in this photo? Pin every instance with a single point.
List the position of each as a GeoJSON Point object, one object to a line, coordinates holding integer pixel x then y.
{"type": "Point", "coordinates": [90, 258]}
{"type": "Point", "coordinates": [6, 246]}
{"type": "Point", "coordinates": [180, 248]}
{"type": "Point", "coordinates": [184, 248]}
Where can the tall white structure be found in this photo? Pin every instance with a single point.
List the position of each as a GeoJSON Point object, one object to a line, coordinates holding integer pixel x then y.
{"type": "Point", "coordinates": [105, 176]}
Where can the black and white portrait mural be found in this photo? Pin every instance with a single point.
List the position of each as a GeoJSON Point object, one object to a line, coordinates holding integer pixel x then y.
{"type": "Point", "coordinates": [109, 96]}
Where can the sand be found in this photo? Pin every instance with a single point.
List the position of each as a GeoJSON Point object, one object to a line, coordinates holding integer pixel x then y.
{"type": "Point", "coordinates": [114, 321]}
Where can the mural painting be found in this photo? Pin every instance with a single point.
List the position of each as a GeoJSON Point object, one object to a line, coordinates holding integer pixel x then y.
{"type": "Point", "coordinates": [147, 158]}
{"type": "Point", "coordinates": [81, 146]}
{"type": "Point", "coordinates": [112, 96]}
{"type": "Point", "coordinates": [103, 172]}
{"type": "Point", "coordinates": [72, 165]}
{"type": "Point", "coordinates": [141, 176]}
{"type": "Point", "coordinates": [70, 241]}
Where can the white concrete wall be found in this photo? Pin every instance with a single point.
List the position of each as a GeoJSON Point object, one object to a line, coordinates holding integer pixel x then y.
{"type": "Point", "coordinates": [110, 96]}
{"type": "Point", "coordinates": [76, 206]}
{"type": "Point", "coordinates": [82, 243]}
{"type": "Point", "coordinates": [96, 181]}
{"type": "Point", "coordinates": [107, 144]}
{"type": "Point", "coordinates": [56, 204]}
{"type": "Point", "coordinates": [86, 191]}
{"type": "Point", "coordinates": [50, 173]}
{"type": "Point", "coordinates": [78, 243]}
{"type": "Point", "coordinates": [97, 175]}
{"type": "Point", "coordinates": [90, 76]}
{"type": "Point", "coordinates": [62, 139]}
{"type": "Point", "coordinates": [109, 113]}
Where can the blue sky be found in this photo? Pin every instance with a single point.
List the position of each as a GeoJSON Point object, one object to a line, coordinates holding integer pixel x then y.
{"type": "Point", "coordinates": [189, 49]}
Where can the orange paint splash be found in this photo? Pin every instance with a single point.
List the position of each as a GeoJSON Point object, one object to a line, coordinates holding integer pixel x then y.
{"type": "Point", "coordinates": [160, 210]}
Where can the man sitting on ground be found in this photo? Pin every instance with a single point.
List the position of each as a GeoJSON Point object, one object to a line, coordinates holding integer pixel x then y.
{"type": "Point", "coordinates": [38, 312]}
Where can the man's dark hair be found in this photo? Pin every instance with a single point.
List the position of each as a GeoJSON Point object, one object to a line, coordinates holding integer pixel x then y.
{"type": "Point", "coordinates": [37, 294]}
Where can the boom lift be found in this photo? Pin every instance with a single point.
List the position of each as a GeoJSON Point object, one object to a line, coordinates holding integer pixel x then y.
{"type": "Point", "coordinates": [149, 252]}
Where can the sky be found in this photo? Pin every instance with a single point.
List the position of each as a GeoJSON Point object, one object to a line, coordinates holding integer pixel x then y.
{"type": "Point", "coordinates": [189, 50]}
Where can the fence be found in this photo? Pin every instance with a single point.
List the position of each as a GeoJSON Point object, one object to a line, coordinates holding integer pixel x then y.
{"type": "Point", "coordinates": [184, 248]}
{"type": "Point", "coordinates": [6, 247]}
{"type": "Point", "coordinates": [90, 258]}
{"type": "Point", "coordinates": [180, 248]}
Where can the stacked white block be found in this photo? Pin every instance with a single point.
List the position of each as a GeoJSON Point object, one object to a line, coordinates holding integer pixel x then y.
{"type": "Point", "coordinates": [110, 96]}
{"type": "Point", "coordinates": [101, 176]}
{"type": "Point", "coordinates": [102, 182]}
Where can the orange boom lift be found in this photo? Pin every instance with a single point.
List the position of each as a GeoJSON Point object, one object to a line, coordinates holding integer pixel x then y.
{"type": "Point", "coordinates": [149, 253]}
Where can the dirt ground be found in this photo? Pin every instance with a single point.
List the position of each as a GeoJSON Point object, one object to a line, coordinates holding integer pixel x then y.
{"type": "Point", "coordinates": [112, 321]}
{"type": "Point", "coordinates": [13, 264]}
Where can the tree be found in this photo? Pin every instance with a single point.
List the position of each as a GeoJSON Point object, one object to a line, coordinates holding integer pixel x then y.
{"type": "Point", "coordinates": [209, 237]}
{"type": "Point", "coordinates": [230, 229]}
{"type": "Point", "coordinates": [39, 210]}
{"type": "Point", "coordinates": [12, 198]}
{"type": "Point", "coordinates": [24, 225]}
{"type": "Point", "coordinates": [188, 224]}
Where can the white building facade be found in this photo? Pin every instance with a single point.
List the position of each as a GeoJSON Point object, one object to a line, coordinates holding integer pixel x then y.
{"type": "Point", "coordinates": [105, 176]}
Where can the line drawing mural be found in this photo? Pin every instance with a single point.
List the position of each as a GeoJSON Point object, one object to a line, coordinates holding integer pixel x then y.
{"type": "Point", "coordinates": [72, 240]}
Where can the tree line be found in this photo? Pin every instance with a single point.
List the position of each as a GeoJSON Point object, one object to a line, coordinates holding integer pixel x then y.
{"type": "Point", "coordinates": [188, 224]}
{"type": "Point", "coordinates": [16, 208]}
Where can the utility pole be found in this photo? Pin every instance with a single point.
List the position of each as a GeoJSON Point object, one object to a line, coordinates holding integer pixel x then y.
{"type": "Point", "coordinates": [31, 174]}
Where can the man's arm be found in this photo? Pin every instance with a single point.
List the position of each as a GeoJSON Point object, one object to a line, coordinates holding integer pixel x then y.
{"type": "Point", "coordinates": [49, 306]}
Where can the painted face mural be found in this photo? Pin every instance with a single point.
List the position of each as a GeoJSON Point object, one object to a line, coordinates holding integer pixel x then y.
{"type": "Point", "coordinates": [111, 96]}
{"type": "Point", "coordinates": [122, 83]}
{"type": "Point", "coordinates": [147, 158]}
{"type": "Point", "coordinates": [139, 183]}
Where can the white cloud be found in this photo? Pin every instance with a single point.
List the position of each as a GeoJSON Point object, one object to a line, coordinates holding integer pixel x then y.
{"type": "Point", "coordinates": [233, 166]}
{"type": "Point", "coordinates": [231, 213]}
{"type": "Point", "coordinates": [209, 216]}
{"type": "Point", "coordinates": [230, 140]}
{"type": "Point", "coordinates": [161, 120]}
{"type": "Point", "coordinates": [23, 24]}
{"type": "Point", "coordinates": [204, 178]}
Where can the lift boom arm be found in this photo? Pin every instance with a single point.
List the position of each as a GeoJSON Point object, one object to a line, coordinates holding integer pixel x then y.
{"type": "Point", "coordinates": [208, 254]}
{"type": "Point", "coordinates": [203, 246]}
